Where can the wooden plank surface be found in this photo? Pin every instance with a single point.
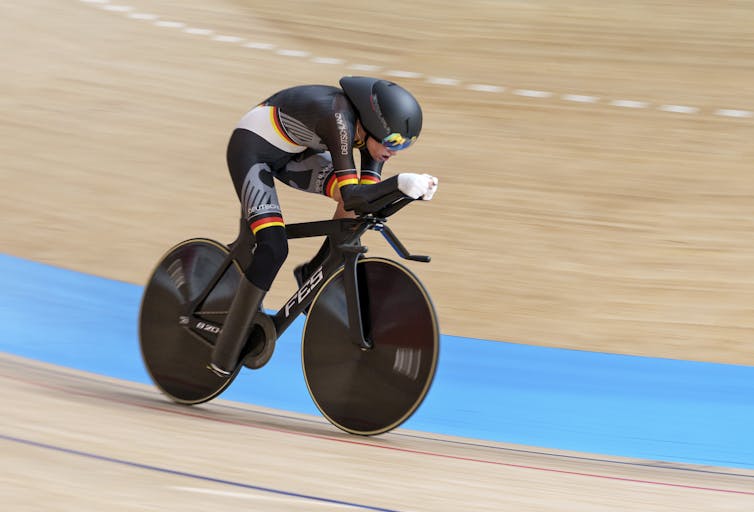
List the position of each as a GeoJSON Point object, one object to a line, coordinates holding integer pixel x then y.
{"type": "Point", "coordinates": [615, 225]}
{"type": "Point", "coordinates": [78, 441]}
{"type": "Point", "coordinates": [559, 223]}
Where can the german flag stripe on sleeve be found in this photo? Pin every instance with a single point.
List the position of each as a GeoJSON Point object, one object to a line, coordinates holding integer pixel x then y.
{"type": "Point", "coordinates": [369, 178]}
{"type": "Point", "coordinates": [348, 177]}
{"type": "Point", "coordinates": [266, 222]}
{"type": "Point", "coordinates": [332, 182]}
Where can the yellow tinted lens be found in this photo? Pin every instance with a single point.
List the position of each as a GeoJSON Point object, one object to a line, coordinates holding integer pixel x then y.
{"type": "Point", "coordinates": [396, 141]}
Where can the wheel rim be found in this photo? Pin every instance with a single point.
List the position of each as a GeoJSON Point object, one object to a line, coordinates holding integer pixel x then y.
{"type": "Point", "coordinates": [373, 391]}
{"type": "Point", "coordinates": [175, 357]}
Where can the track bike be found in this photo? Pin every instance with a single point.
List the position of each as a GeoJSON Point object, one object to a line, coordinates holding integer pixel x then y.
{"type": "Point", "coordinates": [370, 342]}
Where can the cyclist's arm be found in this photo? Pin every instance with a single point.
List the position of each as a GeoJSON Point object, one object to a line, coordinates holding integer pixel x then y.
{"type": "Point", "coordinates": [371, 169]}
{"type": "Point", "coordinates": [370, 198]}
{"type": "Point", "coordinates": [365, 193]}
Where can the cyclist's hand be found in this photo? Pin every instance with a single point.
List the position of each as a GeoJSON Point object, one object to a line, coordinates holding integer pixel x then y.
{"type": "Point", "coordinates": [433, 183]}
{"type": "Point", "coordinates": [417, 185]}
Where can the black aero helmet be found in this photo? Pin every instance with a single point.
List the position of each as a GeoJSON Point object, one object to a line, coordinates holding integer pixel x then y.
{"type": "Point", "coordinates": [388, 112]}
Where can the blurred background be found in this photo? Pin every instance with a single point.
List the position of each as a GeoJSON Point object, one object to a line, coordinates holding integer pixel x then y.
{"type": "Point", "coordinates": [594, 158]}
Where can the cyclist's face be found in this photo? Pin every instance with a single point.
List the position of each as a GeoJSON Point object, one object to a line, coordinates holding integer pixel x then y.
{"type": "Point", "coordinates": [378, 152]}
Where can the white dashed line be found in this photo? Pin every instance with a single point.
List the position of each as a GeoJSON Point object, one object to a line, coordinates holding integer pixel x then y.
{"type": "Point", "coordinates": [435, 80]}
{"type": "Point", "coordinates": [403, 74]}
{"type": "Point", "coordinates": [227, 39]}
{"type": "Point", "coordinates": [117, 8]}
{"type": "Point", "coordinates": [679, 109]}
{"type": "Point", "coordinates": [367, 68]}
{"type": "Point", "coordinates": [580, 98]}
{"type": "Point", "coordinates": [485, 88]}
{"type": "Point", "coordinates": [127, 10]}
{"type": "Point", "coordinates": [198, 31]}
{"type": "Point", "coordinates": [629, 104]}
{"type": "Point", "coordinates": [142, 16]}
{"type": "Point", "coordinates": [258, 46]}
{"type": "Point", "coordinates": [734, 113]}
{"type": "Point", "coordinates": [532, 94]}
{"type": "Point", "coordinates": [330, 61]}
{"type": "Point", "coordinates": [169, 24]}
{"type": "Point", "coordinates": [293, 53]}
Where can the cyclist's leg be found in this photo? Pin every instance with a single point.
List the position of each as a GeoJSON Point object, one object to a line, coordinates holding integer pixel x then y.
{"type": "Point", "coordinates": [313, 172]}
{"type": "Point", "coordinates": [248, 155]}
{"type": "Point", "coordinates": [251, 161]}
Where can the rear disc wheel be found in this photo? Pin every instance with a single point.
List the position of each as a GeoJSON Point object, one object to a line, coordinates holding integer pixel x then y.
{"type": "Point", "coordinates": [175, 356]}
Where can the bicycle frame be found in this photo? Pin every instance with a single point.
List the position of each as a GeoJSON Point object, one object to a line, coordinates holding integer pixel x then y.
{"type": "Point", "coordinates": [345, 249]}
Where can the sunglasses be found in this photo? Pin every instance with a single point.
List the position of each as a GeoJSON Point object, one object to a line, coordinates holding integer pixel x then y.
{"type": "Point", "coordinates": [396, 142]}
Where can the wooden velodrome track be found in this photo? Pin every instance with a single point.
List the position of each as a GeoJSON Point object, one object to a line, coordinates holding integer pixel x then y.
{"type": "Point", "coordinates": [74, 442]}
{"type": "Point", "coordinates": [595, 194]}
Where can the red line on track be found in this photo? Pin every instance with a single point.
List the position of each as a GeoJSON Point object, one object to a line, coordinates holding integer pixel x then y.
{"type": "Point", "coordinates": [383, 447]}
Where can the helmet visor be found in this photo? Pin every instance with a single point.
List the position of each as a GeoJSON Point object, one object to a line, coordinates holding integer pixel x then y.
{"type": "Point", "coordinates": [396, 142]}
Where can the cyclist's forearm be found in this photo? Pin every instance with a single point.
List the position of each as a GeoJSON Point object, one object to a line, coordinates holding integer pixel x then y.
{"type": "Point", "coordinates": [365, 197]}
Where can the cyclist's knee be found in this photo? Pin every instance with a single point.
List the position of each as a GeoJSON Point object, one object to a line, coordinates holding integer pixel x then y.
{"type": "Point", "coordinates": [340, 209]}
{"type": "Point", "coordinates": [269, 255]}
{"type": "Point", "coordinates": [274, 240]}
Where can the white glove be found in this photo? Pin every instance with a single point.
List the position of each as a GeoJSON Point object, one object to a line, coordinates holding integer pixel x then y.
{"type": "Point", "coordinates": [433, 183]}
{"type": "Point", "coordinates": [417, 185]}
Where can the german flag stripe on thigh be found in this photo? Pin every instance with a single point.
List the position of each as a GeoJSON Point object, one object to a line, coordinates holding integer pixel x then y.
{"type": "Point", "coordinates": [266, 222]}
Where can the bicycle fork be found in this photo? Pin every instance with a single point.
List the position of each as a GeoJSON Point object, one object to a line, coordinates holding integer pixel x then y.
{"type": "Point", "coordinates": [356, 322]}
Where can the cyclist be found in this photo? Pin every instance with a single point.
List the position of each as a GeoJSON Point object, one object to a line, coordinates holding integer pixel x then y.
{"type": "Point", "coordinates": [305, 136]}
